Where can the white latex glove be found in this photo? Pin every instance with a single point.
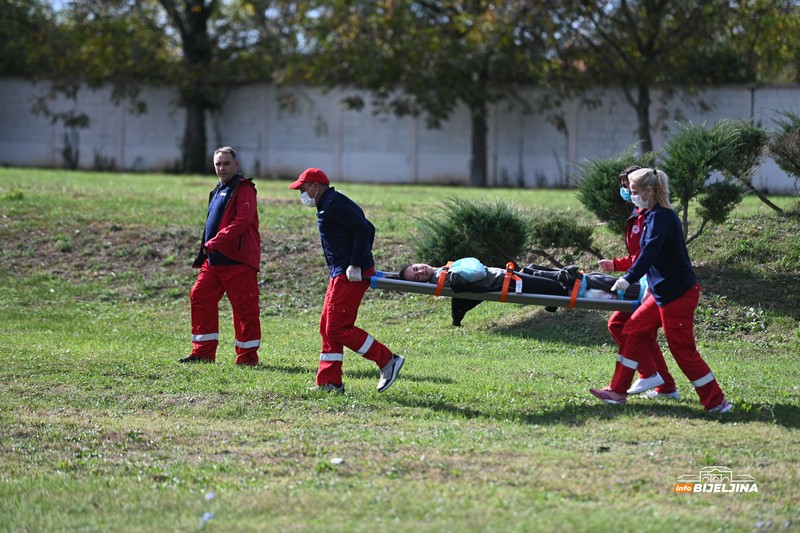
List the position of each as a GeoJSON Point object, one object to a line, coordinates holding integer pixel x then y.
{"type": "Point", "coordinates": [606, 265]}
{"type": "Point", "coordinates": [621, 285]}
{"type": "Point", "coordinates": [353, 273]}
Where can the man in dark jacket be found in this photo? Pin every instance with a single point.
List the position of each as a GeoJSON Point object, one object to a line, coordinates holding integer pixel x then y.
{"type": "Point", "coordinates": [228, 260]}
{"type": "Point", "coordinates": [347, 238]}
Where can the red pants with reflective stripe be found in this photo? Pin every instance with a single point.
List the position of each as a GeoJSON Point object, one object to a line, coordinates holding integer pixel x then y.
{"type": "Point", "coordinates": [240, 283]}
{"type": "Point", "coordinates": [653, 351]}
{"type": "Point", "coordinates": [677, 318]}
{"type": "Point", "coordinates": [338, 330]}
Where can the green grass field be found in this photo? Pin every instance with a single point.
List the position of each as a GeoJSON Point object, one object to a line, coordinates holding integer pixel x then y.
{"type": "Point", "coordinates": [489, 428]}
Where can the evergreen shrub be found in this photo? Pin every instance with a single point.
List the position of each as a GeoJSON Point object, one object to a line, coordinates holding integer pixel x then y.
{"type": "Point", "coordinates": [690, 156]}
{"type": "Point", "coordinates": [597, 181]}
{"type": "Point", "coordinates": [494, 233]}
{"type": "Point", "coordinates": [554, 231]}
{"type": "Point", "coordinates": [784, 144]}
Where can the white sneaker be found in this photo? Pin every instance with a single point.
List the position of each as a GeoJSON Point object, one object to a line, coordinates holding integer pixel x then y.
{"type": "Point", "coordinates": [645, 384]}
{"type": "Point", "coordinates": [389, 372]}
{"type": "Point", "coordinates": [724, 407]}
{"type": "Point", "coordinates": [654, 394]}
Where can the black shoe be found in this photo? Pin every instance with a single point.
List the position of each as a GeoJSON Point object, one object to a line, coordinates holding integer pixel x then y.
{"type": "Point", "coordinates": [459, 308]}
{"type": "Point", "coordinates": [192, 359]}
{"type": "Point", "coordinates": [551, 309]}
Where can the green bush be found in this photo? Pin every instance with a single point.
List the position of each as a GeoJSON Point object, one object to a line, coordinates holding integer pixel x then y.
{"type": "Point", "coordinates": [598, 186]}
{"type": "Point", "coordinates": [555, 231]}
{"type": "Point", "coordinates": [493, 233]}
{"type": "Point", "coordinates": [784, 145]}
{"type": "Point", "coordinates": [691, 155]}
{"type": "Point", "coordinates": [750, 141]}
{"type": "Point", "coordinates": [717, 201]}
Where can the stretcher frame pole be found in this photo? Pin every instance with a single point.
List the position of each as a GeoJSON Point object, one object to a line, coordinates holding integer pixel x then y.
{"type": "Point", "coordinates": [378, 281]}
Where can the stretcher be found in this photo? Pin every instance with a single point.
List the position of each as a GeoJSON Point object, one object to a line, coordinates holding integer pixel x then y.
{"type": "Point", "coordinates": [381, 281]}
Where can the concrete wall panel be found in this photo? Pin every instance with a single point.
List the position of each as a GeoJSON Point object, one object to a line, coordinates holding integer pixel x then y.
{"type": "Point", "coordinates": [282, 131]}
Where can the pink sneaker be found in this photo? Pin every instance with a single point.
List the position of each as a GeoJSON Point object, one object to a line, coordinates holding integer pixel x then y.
{"type": "Point", "coordinates": [610, 396]}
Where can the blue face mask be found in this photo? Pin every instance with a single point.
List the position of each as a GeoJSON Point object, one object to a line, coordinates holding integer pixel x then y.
{"type": "Point", "coordinates": [625, 194]}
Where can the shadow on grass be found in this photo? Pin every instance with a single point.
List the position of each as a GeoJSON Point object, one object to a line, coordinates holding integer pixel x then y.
{"type": "Point", "coordinates": [293, 369]}
{"type": "Point", "coordinates": [778, 292]}
{"type": "Point", "coordinates": [353, 374]}
{"type": "Point", "coordinates": [373, 374]}
{"type": "Point", "coordinates": [784, 415]}
{"type": "Point", "coordinates": [578, 327]}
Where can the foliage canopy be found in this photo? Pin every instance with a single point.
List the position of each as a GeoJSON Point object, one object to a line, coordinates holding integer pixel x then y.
{"type": "Point", "coordinates": [494, 233]}
{"type": "Point", "coordinates": [598, 186]}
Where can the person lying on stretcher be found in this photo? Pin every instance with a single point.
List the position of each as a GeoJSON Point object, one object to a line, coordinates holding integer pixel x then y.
{"type": "Point", "coordinates": [470, 275]}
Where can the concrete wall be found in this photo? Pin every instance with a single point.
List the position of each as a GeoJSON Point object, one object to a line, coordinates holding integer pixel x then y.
{"type": "Point", "coordinates": [281, 131]}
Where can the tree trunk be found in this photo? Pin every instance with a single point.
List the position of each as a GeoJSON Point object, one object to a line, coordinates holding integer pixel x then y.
{"type": "Point", "coordinates": [763, 198]}
{"type": "Point", "coordinates": [194, 138]}
{"type": "Point", "coordinates": [191, 21]}
{"type": "Point", "coordinates": [685, 220]}
{"type": "Point", "coordinates": [643, 117]}
{"type": "Point", "coordinates": [478, 160]}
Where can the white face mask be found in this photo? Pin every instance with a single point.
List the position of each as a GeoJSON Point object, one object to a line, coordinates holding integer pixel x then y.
{"type": "Point", "coordinates": [639, 202]}
{"type": "Point", "coordinates": [307, 200]}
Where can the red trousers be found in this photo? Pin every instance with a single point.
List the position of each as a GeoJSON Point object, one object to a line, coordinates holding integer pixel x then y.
{"type": "Point", "coordinates": [240, 283]}
{"type": "Point", "coordinates": [677, 318]}
{"type": "Point", "coordinates": [653, 351]}
{"type": "Point", "coordinates": [338, 330]}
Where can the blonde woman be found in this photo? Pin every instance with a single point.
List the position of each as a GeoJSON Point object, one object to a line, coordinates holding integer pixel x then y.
{"type": "Point", "coordinates": [634, 227]}
{"type": "Point", "coordinates": [664, 259]}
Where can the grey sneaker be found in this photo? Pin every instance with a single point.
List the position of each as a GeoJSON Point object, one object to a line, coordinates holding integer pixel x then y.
{"type": "Point", "coordinates": [724, 407]}
{"type": "Point", "coordinates": [330, 387]}
{"type": "Point", "coordinates": [389, 372]}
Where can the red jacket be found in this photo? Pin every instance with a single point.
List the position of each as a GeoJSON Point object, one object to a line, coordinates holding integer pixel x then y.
{"type": "Point", "coordinates": [237, 237]}
{"type": "Point", "coordinates": [633, 240]}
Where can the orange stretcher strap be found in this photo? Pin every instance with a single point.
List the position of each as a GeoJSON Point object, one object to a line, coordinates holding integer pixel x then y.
{"type": "Point", "coordinates": [442, 278]}
{"type": "Point", "coordinates": [507, 281]}
{"type": "Point", "coordinates": [576, 287]}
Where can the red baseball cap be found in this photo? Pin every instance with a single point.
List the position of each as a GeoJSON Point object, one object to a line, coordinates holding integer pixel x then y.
{"type": "Point", "coordinates": [310, 175]}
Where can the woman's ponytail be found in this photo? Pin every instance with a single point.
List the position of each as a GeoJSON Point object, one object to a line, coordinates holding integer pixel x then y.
{"type": "Point", "coordinates": [661, 188]}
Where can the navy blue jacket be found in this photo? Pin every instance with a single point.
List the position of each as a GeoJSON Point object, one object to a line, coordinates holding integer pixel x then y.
{"type": "Point", "coordinates": [345, 232]}
{"type": "Point", "coordinates": [663, 257]}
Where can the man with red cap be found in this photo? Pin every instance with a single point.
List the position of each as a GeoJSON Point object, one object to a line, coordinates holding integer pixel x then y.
{"type": "Point", "coordinates": [229, 257]}
{"type": "Point", "coordinates": [347, 238]}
